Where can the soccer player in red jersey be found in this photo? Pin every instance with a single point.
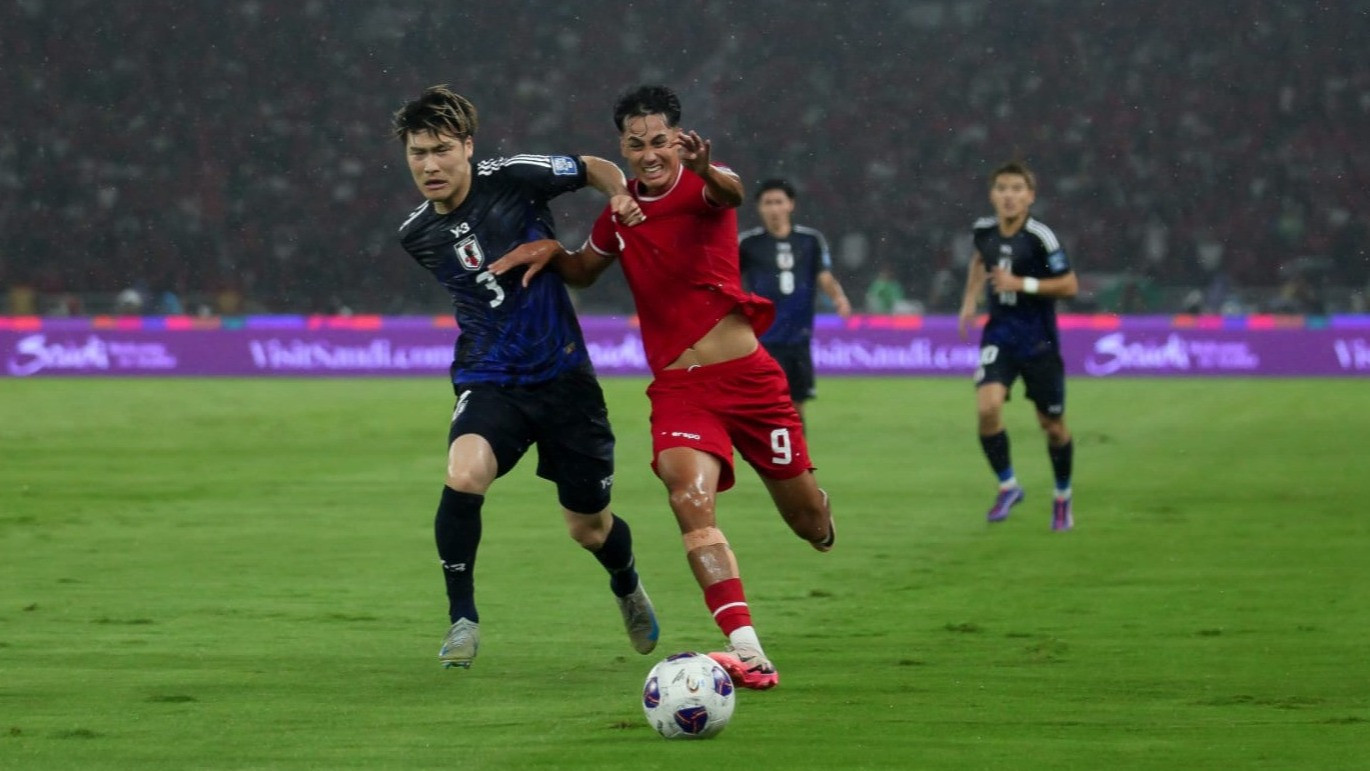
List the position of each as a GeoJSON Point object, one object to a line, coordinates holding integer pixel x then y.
{"type": "Point", "coordinates": [713, 388]}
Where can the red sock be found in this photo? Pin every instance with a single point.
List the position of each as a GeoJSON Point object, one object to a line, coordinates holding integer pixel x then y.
{"type": "Point", "coordinates": [728, 603]}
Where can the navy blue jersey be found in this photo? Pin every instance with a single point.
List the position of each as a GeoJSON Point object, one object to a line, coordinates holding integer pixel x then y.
{"type": "Point", "coordinates": [508, 334]}
{"type": "Point", "coordinates": [785, 271]}
{"type": "Point", "coordinates": [1025, 324]}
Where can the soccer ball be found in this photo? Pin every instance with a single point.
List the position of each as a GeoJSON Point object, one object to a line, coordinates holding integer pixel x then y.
{"type": "Point", "coordinates": [688, 696]}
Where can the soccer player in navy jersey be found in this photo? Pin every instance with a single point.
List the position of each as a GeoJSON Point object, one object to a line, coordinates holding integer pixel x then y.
{"type": "Point", "coordinates": [1027, 272]}
{"type": "Point", "coordinates": [785, 263]}
{"type": "Point", "coordinates": [714, 388]}
{"type": "Point", "coordinates": [520, 369]}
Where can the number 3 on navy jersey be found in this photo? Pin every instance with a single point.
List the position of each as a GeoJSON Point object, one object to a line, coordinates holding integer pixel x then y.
{"type": "Point", "coordinates": [488, 279]}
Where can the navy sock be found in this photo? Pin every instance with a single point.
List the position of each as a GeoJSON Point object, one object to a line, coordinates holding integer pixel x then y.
{"type": "Point", "coordinates": [457, 531]}
{"type": "Point", "coordinates": [1062, 463]}
{"type": "Point", "coordinates": [616, 555]}
{"type": "Point", "coordinates": [997, 452]}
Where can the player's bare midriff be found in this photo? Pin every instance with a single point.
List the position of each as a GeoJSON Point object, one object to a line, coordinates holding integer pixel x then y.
{"type": "Point", "coordinates": [731, 338]}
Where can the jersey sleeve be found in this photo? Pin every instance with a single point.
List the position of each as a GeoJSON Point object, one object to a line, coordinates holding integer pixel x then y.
{"type": "Point", "coordinates": [1053, 256]}
{"type": "Point", "coordinates": [824, 253]}
{"type": "Point", "coordinates": [704, 191]}
{"type": "Point", "coordinates": [603, 236]}
{"type": "Point", "coordinates": [547, 175]}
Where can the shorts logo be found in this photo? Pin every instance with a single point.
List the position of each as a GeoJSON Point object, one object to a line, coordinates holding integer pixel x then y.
{"type": "Point", "coordinates": [468, 251]}
{"type": "Point", "coordinates": [461, 405]}
{"type": "Point", "coordinates": [685, 435]}
{"type": "Point", "coordinates": [607, 482]}
{"type": "Point", "coordinates": [563, 166]}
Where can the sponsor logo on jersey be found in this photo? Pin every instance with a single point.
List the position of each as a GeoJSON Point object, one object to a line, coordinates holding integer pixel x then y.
{"type": "Point", "coordinates": [468, 251]}
{"type": "Point", "coordinates": [563, 166]}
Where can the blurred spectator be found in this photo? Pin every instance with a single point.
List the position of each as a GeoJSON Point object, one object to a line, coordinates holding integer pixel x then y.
{"type": "Point", "coordinates": [169, 304]}
{"type": "Point", "coordinates": [1132, 293]}
{"type": "Point", "coordinates": [228, 301]}
{"type": "Point", "coordinates": [944, 292]}
{"type": "Point", "coordinates": [885, 294]}
{"type": "Point", "coordinates": [67, 305]}
{"type": "Point", "coordinates": [204, 140]}
{"type": "Point", "coordinates": [22, 300]}
{"type": "Point", "coordinates": [129, 302]}
{"type": "Point", "coordinates": [1297, 295]}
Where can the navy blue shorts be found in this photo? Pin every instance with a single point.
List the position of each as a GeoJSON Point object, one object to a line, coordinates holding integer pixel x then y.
{"type": "Point", "coordinates": [566, 418]}
{"type": "Point", "coordinates": [797, 361]}
{"type": "Point", "coordinates": [1044, 375]}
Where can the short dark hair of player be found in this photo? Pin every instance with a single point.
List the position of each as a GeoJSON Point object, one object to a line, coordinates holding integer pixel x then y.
{"type": "Point", "coordinates": [783, 185]}
{"type": "Point", "coordinates": [438, 110]}
{"type": "Point", "coordinates": [1017, 168]}
{"type": "Point", "coordinates": [647, 100]}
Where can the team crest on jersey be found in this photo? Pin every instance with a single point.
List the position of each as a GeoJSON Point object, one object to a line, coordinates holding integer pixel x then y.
{"type": "Point", "coordinates": [563, 166]}
{"type": "Point", "coordinates": [468, 251]}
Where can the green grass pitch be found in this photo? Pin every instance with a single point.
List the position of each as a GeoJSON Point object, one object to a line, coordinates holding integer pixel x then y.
{"type": "Point", "coordinates": [240, 574]}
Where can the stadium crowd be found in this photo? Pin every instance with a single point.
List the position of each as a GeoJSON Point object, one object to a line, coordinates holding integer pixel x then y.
{"type": "Point", "coordinates": [238, 151]}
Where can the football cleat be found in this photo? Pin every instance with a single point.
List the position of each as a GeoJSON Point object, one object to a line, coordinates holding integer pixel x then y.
{"type": "Point", "coordinates": [1008, 498]}
{"type": "Point", "coordinates": [460, 645]}
{"type": "Point", "coordinates": [748, 669]}
{"type": "Point", "coordinates": [825, 545]}
{"type": "Point", "coordinates": [639, 618]}
{"type": "Point", "coordinates": [1061, 517]}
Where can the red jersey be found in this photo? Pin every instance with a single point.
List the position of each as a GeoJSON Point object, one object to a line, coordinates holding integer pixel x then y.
{"type": "Point", "coordinates": [681, 265]}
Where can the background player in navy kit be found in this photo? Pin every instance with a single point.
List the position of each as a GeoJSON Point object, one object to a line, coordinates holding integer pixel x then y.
{"type": "Point", "coordinates": [786, 263]}
{"type": "Point", "coordinates": [1027, 272]}
{"type": "Point", "coordinates": [520, 368]}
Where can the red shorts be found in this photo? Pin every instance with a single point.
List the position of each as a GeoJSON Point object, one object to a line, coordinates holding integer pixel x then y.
{"type": "Point", "coordinates": [744, 403]}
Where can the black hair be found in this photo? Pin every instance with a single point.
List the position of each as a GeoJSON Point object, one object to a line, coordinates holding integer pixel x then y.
{"type": "Point", "coordinates": [437, 111]}
{"type": "Point", "coordinates": [1016, 168]}
{"type": "Point", "coordinates": [647, 100]}
{"type": "Point", "coordinates": [782, 185]}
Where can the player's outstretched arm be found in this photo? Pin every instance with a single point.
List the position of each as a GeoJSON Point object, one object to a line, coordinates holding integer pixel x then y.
{"type": "Point", "coordinates": [579, 268]}
{"type": "Point", "coordinates": [723, 187]}
{"type": "Point", "coordinates": [607, 178]}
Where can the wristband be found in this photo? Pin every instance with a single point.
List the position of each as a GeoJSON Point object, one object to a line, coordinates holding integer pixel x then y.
{"type": "Point", "coordinates": [1030, 285]}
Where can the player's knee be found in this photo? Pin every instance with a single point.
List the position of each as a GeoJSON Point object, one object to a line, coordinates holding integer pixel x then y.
{"type": "Point", "coordinates": [692, 505]}
{"type": "Point", "coordinates": [990, 423]}
{"type": "Point", "coordinates": [587, 531]}
{"type": "Point", "coordinates": [466, 480]}
{"type": "Point", "coordinates": [1056, 431]}
{"type": "Point", "coordinates": [587, 515]}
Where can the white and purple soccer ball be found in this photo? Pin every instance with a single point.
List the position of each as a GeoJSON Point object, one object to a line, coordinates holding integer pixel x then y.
{"type": "Point", "coordinates": [688, 696]}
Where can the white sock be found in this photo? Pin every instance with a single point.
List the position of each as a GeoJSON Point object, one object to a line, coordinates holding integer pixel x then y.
{"type": "Point", "coordinates": [1062, 495]}
{"type": "Point", "coordinates": [1009, 483]}
{"type": "Point", "coordinates": [744, 638]}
